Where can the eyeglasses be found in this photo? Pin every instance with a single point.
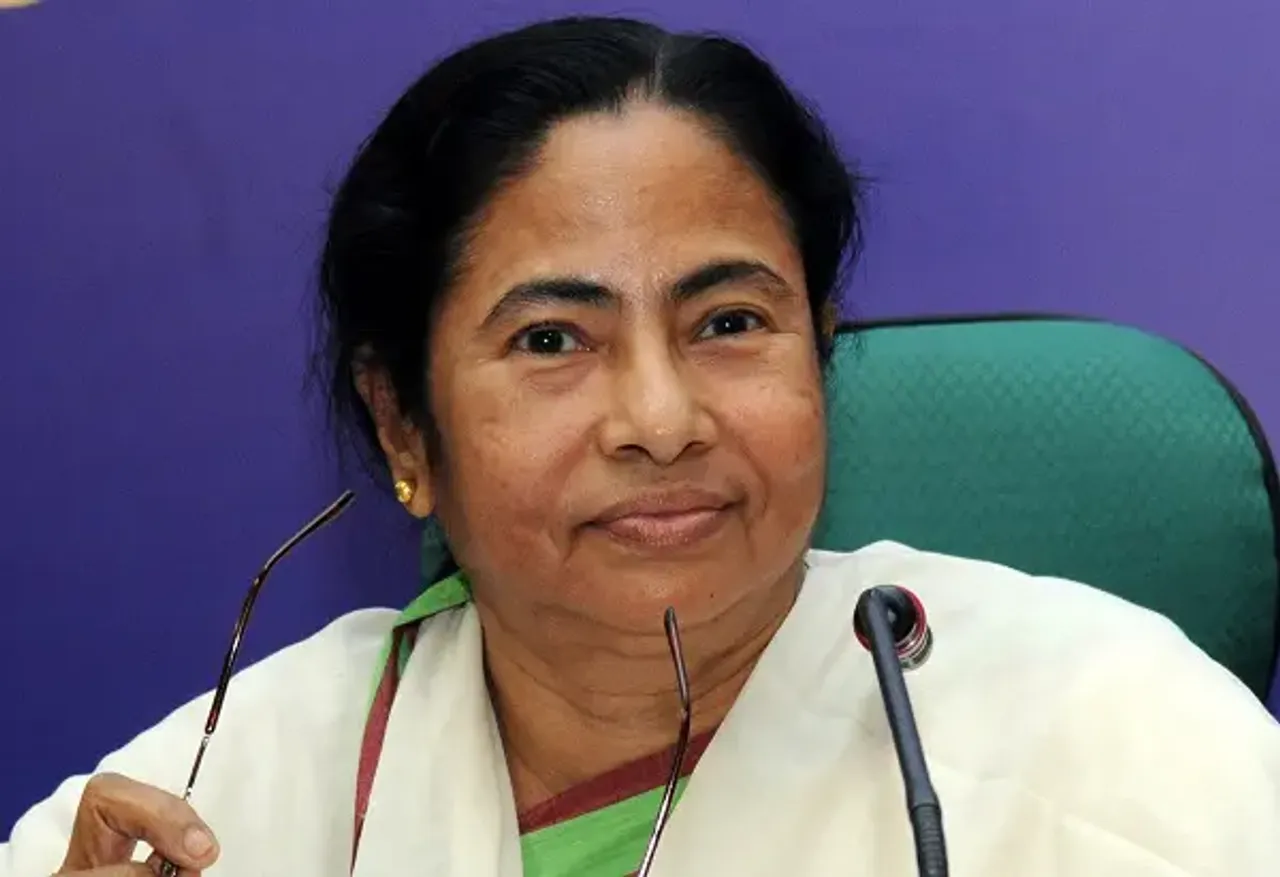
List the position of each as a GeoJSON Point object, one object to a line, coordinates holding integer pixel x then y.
{"type": "Point", "coordinates": [328, 516]}
{"type": "Point", "coordinates": [682, 742]}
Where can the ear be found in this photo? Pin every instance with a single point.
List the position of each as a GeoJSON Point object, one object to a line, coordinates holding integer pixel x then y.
{"type": "Point", "coordinates": [401, 439]}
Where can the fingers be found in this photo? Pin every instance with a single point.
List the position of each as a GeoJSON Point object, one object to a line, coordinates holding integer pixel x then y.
{"type": "Point", "coordinates": [156, 861]}
{"type": "Point", "coordinates": [133, 869]}
{"type": "Point", "coordinates": [115, 813]}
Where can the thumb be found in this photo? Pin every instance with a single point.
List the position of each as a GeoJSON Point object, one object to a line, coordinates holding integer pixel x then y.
{"type": "Point", "coordinates": [116, 813]}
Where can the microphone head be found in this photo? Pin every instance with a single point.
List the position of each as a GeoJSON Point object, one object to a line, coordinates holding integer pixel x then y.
{"type": "Point", "coordinates": [912, 638]}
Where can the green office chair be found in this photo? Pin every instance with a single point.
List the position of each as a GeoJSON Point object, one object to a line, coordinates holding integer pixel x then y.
{"type": "Point", "coordinates": [1061, 447]}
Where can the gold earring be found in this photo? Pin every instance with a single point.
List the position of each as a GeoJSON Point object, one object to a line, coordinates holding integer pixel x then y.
{"type": "Point", "coordinates": [405, 491]}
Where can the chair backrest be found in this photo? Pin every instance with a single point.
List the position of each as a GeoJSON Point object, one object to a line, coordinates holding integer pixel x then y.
{"type": "Point", "coordinates": [1063, 447]}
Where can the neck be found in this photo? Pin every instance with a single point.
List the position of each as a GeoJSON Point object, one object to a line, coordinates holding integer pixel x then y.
{"type": "Point", "coordinates": [572, 707]}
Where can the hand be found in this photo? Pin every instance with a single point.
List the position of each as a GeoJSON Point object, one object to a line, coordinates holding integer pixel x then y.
{"type": "Point", "coordinates": [116, 813]}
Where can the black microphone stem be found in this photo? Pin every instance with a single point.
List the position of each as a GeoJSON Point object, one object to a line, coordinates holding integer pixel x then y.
{"type": "Point", "coordinates": [922, 801]}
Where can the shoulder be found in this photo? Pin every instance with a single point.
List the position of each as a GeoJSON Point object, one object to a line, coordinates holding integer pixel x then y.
{"type": "Point", "coordinates": [1099, 710]}
{"type": "Point", "coordinates": [303, 705]}
{"type": "Point", "coordinates": [988, 606]}
{"type": "Point", "coordinates": [1063, 640]}
{"type": "Point", "coordinates": [312, 685]}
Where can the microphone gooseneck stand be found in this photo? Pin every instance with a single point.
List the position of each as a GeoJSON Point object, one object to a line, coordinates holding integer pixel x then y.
{"type": "Point", "coordinates": [878, 613]}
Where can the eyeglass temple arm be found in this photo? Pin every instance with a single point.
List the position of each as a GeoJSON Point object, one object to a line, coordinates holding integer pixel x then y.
{"type": "Point", "coordinates": [682, 742]}
{"type": "Point", "coordinates": [246, 610]}
{"type": "Point", "coordinates": [335, 508]}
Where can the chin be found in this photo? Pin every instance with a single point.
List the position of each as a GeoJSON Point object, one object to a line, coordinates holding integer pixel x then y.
{"type": "Point", "coordinates": [635, 596]}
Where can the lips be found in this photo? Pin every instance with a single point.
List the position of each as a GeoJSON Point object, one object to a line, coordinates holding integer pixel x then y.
{"type": "Point", "coordinates": [666, 519]}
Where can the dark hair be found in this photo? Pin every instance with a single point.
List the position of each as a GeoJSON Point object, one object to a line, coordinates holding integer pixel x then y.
{"type": "Point", "coordinates": [476, 119]}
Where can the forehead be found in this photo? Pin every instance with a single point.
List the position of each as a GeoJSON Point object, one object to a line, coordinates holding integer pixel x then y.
{"type": "Point", "coordinates": [624, 198]}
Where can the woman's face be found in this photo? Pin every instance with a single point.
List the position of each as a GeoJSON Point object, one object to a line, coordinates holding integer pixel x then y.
{"type": "Point", "coordinates": [626, 384]}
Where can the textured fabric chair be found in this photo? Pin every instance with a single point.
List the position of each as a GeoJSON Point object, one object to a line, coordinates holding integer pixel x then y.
{"type": "Point", "coordinates": [1064, 447]}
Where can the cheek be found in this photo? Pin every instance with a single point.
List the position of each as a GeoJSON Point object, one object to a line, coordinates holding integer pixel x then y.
{"type": "Point", "coordinates": [788, 433]}
{"type": "Point", "coordinates": [510, 455]}
{"type": "Point", "coordinates": [781, 426]}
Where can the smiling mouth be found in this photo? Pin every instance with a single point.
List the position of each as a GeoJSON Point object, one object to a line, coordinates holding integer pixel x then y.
{"type": "Point", "coordinates": [666, 529]}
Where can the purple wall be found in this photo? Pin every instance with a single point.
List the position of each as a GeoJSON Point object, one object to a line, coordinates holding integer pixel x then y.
{"type": "Point", "coordinates": [163, 169]}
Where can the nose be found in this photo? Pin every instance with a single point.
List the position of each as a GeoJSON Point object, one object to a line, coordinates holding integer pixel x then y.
{"type": "Point", "coordinates": [658, 410]}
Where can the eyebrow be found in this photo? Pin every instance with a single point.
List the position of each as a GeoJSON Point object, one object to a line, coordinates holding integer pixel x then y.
{"type": "Point", "coordinates": [579, 291]}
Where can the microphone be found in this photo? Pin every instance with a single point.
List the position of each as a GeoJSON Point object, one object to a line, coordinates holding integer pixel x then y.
{"type": "Point", "coordinates": [890, 623]}
{"type": "Point", "coordinates": [912, 639]}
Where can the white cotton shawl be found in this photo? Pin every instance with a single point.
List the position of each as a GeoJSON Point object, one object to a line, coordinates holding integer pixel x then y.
{"type": "Point", "coordinates": [1069, 734]}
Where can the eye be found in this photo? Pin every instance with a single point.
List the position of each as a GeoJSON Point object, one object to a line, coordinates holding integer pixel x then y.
{"type": "Point", "coordinates": [547, 340]}
{"type": "Point", "coordinates": [730, 323]}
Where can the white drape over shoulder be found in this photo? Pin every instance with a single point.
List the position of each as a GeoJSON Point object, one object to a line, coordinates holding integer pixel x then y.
{"type": "Point", "coordinates": [1068, 733]}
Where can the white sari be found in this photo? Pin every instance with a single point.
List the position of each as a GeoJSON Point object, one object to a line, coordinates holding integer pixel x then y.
{"type": "Point", "coordinates": [1068, 734]}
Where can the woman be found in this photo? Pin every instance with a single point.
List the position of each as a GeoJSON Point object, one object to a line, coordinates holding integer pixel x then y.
{"type": "Point", "coordinates": [578, 289]}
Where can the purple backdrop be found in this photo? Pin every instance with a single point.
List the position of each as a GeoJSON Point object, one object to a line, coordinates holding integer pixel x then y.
{"type": "Point", "coordinates": [163, 169]}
